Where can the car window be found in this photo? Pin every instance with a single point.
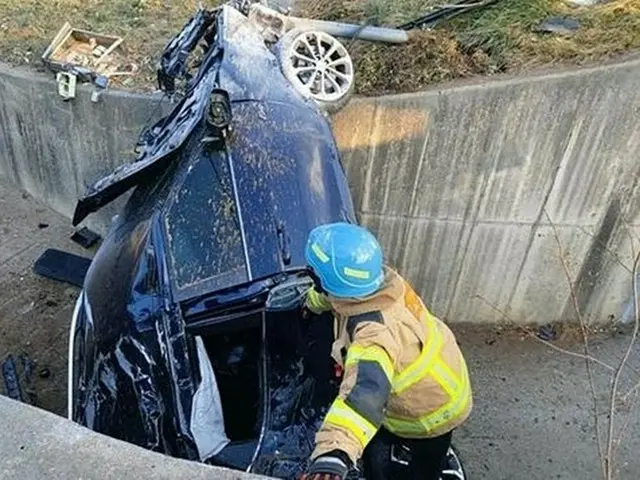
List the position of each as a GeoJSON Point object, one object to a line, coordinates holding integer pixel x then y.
{"type": "Point", "coordinates": [203, 230]}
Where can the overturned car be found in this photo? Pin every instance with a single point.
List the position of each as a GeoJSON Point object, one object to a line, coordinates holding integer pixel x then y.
{"type": "Point", "coordinates": [187, 337]}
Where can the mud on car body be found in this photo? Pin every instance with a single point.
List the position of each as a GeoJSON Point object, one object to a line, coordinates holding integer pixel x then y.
{"type": "Point", "coordinates": [186, 338]}
{"type": "Point", "coordinates": [172, 321]}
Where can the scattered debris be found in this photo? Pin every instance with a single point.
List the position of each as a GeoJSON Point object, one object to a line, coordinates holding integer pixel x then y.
{"type": "Point", "coordinates": [438, 14]}
{"type": "Point", "coordinates": [547, 333]}
{"type": "Point", "coordinates": [62, 266]}
{"type": "Point", "coordinates": [559, 25]}
{"type": "Point", "coordinates": [11, 382]}
{"type": "Point", "coordinates": [66, 85]}
{"type": "Point", "coordinates": [27, 367]}
{"type": "Point", "coordinates": [79, 55]}
{"type": "Point", "coordinates": [27, 308]}
{"type": "Point", "coordinates": [85, 237]}
{"type": "Point", "coordinates": [100, 83]}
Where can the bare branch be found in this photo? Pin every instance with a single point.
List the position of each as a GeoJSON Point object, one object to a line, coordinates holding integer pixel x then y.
{"type": "Point", "coordinates": [585, 336]}
{"type": "Point", "coordinates": [628, 230]}
{"type": "Point", "coordinates": [616, 377]}
{"type": "Point", "coordinates": [544, 342]}
{"type": "Point", "coordinates": [625, 425]}
{"type": "Point", "coordinates": [635, 388]}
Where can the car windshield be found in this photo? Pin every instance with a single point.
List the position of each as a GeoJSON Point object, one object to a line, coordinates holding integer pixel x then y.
{"type": "Point", "coordinates": [203, 230]}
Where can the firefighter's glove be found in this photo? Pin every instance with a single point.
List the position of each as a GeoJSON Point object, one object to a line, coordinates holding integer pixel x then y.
{"type": "Point", "coordinates": [328, 467]}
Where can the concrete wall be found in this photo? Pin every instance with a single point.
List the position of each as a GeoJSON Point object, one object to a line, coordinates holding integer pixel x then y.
{"type": "Point", "coordinates": [55, 149]}
{"type": "Point", "coordinates": [455, 181]}
{"type": "Point", "coordinates": [36, 445]}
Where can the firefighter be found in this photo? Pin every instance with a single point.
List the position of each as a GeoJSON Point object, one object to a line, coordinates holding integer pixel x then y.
{"type": "Point", "coordinates": [404, 381]}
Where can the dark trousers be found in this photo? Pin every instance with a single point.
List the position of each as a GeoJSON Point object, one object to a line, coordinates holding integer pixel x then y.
{"type": "Point", "coordinates": [427, 458]}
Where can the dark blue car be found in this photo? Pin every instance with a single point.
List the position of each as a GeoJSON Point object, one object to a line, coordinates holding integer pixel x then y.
{"type": "Point", "coordinates": [187, 337]}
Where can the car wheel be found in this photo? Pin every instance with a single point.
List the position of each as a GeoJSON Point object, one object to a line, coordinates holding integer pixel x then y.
{"type": "Point", "coordinates": [318, 66]}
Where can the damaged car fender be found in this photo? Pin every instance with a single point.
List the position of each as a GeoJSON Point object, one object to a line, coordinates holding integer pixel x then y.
{"type": "Point", "coordinates": [128, 381]}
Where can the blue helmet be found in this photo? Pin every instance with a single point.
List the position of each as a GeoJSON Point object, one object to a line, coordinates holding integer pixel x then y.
{"type": "Point", "coordinates": [346, 258]}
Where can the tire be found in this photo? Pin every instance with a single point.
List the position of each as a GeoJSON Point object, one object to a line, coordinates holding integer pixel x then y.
{"type": "Point", "coordinates": [318, 67]}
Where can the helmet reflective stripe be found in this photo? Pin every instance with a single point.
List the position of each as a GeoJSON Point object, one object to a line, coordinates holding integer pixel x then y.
{"type": "Point", "coordinates": [323, 257]}
{"type": "Point", "coordinates": [346, 258]}
{"type": "Point", "coordinates": [361, 274]}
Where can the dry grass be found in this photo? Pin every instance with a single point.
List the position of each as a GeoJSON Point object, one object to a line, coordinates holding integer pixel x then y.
{"type": "Point", "coordinates": [28, 26]}
{"type": "Point", "coordinates": [430, 57]}
{"type": "Point", "coordinates": [506, 32]}
{"type": "Point", "coordinates": [496, 38]}
{"type": "Point", "coordinates": [493, 39]}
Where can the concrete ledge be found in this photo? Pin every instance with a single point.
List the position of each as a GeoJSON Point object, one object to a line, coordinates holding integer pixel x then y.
{"type": "Point", "coordinates": [36, 444]}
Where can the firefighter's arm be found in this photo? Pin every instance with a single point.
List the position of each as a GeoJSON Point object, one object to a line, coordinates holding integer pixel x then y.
{"type": "Point", "coordinates": [358, 411]}
{"type": "Point", "coordinates": [316, 302]}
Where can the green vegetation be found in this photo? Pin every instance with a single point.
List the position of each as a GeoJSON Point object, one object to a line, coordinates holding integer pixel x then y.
{"type": "Point", "coordinates": [496, 38]}
{"type": "Point", "coordinates": [28, 26]}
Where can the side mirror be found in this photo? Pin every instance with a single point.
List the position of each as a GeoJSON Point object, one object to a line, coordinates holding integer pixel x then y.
{"type": "Point", "coordinates": [288, 295]}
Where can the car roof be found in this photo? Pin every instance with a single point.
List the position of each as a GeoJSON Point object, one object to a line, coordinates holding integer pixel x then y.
{"type": "Point", "coordinates": [244, 212]}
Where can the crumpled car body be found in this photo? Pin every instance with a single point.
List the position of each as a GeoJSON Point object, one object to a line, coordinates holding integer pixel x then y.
{"type": "Point", "coordinates": [187, 337]}
{"type": "Point", "coordinates": [172, 318]}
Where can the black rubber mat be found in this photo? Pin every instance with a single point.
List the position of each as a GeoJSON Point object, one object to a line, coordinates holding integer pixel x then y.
{"type": "Point", "coordinates": [62, 266]}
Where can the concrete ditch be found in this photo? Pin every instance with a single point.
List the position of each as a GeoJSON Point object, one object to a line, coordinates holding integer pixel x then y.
{"type": "Point", "coordinates": [480, 180]}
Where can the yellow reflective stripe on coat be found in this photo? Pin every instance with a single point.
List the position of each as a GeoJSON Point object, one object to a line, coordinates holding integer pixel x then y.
{"type": "Point", "coordinates": [372, 353]}
{"type": "Point", "coordinates": [434, 420]}
{"type": "Point", "coordinates": [317, 302]}
{"type": "Point", "coordinates": [448, 380]}
{"type": "Point", "coordinates": [342, 415]}
{"type": "Point", "coordinates": [420, 367]}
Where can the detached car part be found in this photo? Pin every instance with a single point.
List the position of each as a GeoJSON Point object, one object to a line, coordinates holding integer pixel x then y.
{"type": "Point", "coordinates": [186, 338]}
{"type": "Point", "coordinates": [267, 19]}
{"type": "Point", "coordinates": [318, 66]}
{"type": "Point", "coordinates": [446, 12]}
{"type": "Point", "coordinates": [62, 266]}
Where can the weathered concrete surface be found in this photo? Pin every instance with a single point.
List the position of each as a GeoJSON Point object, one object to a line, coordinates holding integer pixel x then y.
{"type": "Point", "coordinates": [35, 312]}
{"type": "Point", "coordinates": [456, 181]}
{"type": "Point", "coordinates": [533, 416]}
{"type": "Point", "coordinates": [36, 445]}
{"type": "Point", "coordinates": [55, 149]}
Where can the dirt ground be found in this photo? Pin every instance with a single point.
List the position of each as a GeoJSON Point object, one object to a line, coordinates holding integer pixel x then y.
{"type": "Point", "coordinates": [35, 312]}
{"type": "Point", "coordinates": [533, 411]}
